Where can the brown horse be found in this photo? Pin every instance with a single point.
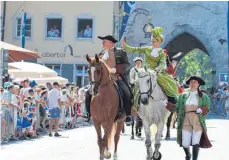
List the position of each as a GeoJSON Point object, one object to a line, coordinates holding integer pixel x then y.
{"type": "Point", "coordinates": [104, 106]}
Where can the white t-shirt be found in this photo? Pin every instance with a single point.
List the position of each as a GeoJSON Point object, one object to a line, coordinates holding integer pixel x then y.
{"type": "Point", "coordinates": [53, 96]}
{"type": "Point", "coordinates": [64, 97]}
{"type": "Point", "coordinates": [14, 99]}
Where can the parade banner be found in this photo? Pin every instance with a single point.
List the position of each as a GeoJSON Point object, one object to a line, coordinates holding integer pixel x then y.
{"type": "Point", "coordinates": [129, 7]}
{"type": "Point", "coordinates": [23, 30]}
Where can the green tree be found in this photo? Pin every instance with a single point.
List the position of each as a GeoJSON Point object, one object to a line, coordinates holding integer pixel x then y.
{"type": "Point", "coordinates": [196, 62]}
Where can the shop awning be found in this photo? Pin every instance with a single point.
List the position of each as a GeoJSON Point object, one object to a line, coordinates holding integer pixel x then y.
{"type": "Point", "coordinates": [17, 53]}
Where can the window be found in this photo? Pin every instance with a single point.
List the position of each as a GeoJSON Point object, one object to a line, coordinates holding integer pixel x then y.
{"type": "Point", "coordinates": [86, 69]}
{"type": "Point", "coordinates": [55, 67]}
{"type": "Point", "coordinates": [79, 69]}
{"type": "Point", "coordinates": [27, 29]}
{"type": "Point", "coordinates": [85, 28]}
{"type": "Point", "coordinates": [79, 81]}
{"type": "Point", "coordinates": [81, 74]}
{"type": "Point", "coordinates": [54, 27]}
{"type": "Point", "coordinates": [86, 80]}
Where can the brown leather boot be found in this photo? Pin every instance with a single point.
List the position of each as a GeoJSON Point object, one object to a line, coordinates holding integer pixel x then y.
{"type": "Point", "coordinates": [170, 106]}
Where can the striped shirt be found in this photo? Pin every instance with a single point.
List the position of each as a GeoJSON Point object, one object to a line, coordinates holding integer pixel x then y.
{"type": "Point", "coordinates": [7, 96]}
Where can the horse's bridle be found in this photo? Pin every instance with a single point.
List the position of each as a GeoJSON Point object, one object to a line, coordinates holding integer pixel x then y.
{"type": "Point", "coordinates": [97, 84]}
{"type": "Point", "coordinates": [151, 89]}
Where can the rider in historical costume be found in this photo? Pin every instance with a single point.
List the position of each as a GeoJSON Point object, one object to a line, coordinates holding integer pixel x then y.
{"type": "Point", "coordinates": [156, 59]}
{"type": "Point", "coordinates": [134, 78]}
{"type": "Point", "coordinates": [133, 74]}
{"type": "Point", "coordinates": [192, 107]}
{"type": "Point", "coordinates": [117, 60]}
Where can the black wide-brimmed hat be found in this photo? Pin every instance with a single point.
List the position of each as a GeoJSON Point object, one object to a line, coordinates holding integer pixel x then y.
{"type": "Point", "coordinates": [197, 78]}
{"type": "Point", "coordinates": [109, 38]}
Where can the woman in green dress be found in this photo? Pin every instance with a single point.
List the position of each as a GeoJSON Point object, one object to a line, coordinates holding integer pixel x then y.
{"type": "Point", "coordinates": [155, 59]}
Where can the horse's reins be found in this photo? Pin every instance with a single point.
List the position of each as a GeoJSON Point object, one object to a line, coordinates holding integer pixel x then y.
{"type": "Point", "coordinates": [98, 83]}
{"type": "Point", "coordinates": [151, 90]}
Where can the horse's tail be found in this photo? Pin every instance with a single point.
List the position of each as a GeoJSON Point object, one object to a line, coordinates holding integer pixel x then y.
{"type": "Point", "coordinates": [111, 135]}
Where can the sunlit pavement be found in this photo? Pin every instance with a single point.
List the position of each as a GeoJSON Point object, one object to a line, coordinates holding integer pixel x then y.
{"type": "Point", "coordinates": [81, 144]}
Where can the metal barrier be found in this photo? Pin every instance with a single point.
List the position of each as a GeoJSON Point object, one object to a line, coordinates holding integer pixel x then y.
{"type": "Point", "coordinates": [10, 118]}
{"type": "Point", "coordinates": [9, 122]}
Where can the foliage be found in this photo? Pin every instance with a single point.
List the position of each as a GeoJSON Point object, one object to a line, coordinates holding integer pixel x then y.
{"type": "Point", "coordinates": [196, 62]}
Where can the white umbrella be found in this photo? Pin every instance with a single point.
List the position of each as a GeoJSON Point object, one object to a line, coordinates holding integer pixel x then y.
{"type": "Point", "coordinates": [33, 70]}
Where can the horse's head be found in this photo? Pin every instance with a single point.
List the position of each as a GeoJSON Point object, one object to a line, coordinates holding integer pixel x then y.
{"type": "Point", "coordinates": [96, 72]}
{"type": "Point", "coordinates": [147, 82]}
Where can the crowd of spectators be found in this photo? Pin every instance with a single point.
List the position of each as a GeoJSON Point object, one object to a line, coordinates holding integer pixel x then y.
{"type": "Point", "coordinates": [27, 110]}
{"type": "Point", "coordinates": [220, 100]}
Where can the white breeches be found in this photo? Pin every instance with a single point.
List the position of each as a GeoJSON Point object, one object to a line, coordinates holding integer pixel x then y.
{"type": "Point", "coordinates": [189, 138]}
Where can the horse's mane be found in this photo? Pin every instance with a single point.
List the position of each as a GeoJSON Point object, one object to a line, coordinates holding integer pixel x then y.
{"type": "Point", "coordinates": [93, 60]}
{"type": "Point", "coordinates": [152, 72]}
{"type": "Point", "coordinates": [142, 70]}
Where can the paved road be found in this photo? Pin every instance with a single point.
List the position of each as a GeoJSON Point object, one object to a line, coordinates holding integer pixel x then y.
{"type": "Point", "coordinates": [81, 144]}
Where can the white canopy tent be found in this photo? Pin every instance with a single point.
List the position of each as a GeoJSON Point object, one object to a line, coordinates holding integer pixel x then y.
{"type": "Point", "coordinates": [42, 74]}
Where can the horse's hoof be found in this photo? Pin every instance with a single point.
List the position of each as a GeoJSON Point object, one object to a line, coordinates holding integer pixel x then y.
{"type": "Point", "coordinates": [132, 137]}
{"type": "Point", "coordinates": [115, 156]}
{"type": "Point", "coordinates": [101, 158]}
{"type": "Point", "coordinates": [139, 135]}
{"type": "Point", "coordinates": [157, 156]}
{"type": "Point", "coordinates": [167, 138]}
{"type": "Point", "coordinates": [107, 155]}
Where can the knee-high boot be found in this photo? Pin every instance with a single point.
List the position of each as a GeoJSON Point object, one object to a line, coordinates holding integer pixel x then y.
{"type": "Point", "coordinates": [187, 153]}
{"type": "Point", "coordinates": [195, 152]}
{"type": "Point", "coordinates": [88, 97]}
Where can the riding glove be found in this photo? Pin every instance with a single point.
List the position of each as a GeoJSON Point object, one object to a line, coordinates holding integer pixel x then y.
{"type": "Point", "coordinates": [199, 111]}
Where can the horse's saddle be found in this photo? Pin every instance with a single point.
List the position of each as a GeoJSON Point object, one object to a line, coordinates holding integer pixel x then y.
{"type": "Point", "coordinates": [121, 95]}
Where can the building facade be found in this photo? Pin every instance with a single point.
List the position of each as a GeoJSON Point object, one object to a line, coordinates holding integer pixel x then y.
{"type": "Point", "coordinates": [61, 32]}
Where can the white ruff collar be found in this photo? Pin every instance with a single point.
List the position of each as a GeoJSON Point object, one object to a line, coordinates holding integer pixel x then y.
{"type": "Point", "coordinates": [193, 92]}
{"type": "Point", "coordinates": [155, 52]}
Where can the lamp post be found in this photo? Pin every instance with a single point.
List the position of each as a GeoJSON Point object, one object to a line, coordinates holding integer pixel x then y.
{"type": "Point", "coordinates": [3, 73]}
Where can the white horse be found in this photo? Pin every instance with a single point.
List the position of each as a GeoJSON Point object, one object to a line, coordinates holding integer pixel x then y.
{"type": "Point", "coordinates": [152, 110]}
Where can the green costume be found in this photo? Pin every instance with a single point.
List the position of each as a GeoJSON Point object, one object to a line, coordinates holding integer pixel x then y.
{"type": "Point", "coordinates": [166, 82]}
{"type": "Point", "coordinates": [180, 109]}
{"type": "Point", "coordinates": [135, 89]}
